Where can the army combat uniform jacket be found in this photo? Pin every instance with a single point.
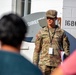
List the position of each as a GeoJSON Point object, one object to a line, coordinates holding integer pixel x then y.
{"type": "Point", "coordinates": [46, 38]}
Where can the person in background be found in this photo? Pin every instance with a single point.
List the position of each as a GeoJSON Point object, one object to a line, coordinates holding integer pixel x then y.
{"type": "Point", "coordinates": [50, 41]}
{"type": "Point", "coordinates": [12, 33]}
{"type": "Point", "coordinates": [68, 67]}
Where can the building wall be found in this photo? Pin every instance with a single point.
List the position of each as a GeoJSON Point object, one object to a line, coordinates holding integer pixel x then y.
{"type": "Point", "coordinates": [69, 22]}
{"type": "Point", "coordinates": [5, 6]}
{"type": "Point", "coordinates": [44, 5]}
{"type": "Point", "coordinates": [69, 17]}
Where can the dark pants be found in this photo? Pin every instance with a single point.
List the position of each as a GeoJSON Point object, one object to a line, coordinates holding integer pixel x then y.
{"type": "Point", "coordinates": [47, 70]}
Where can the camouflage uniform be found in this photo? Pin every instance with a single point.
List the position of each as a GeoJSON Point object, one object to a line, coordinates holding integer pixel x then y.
{"type": "Point", "coordinates": [41, 57]}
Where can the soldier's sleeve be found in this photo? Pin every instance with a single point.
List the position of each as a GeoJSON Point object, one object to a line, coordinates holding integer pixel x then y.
{"type": "Point", "coordinates": [37, 48]}
{"type": "Point", "coordinates": [66, 45]}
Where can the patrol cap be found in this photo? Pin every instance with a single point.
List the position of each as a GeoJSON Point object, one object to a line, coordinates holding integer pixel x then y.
{"type": "Point", "coordinates": [51, 13]}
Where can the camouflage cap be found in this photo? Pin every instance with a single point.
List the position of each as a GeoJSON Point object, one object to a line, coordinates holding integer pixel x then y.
{"type": "Point", "coordinates": [51, 13]}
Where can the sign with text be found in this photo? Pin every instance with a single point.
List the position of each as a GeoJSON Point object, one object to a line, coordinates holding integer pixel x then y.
{"type": "Point", "coordinates": [69, 23]}
{"type": "Point", "coordinates": [33, 25]}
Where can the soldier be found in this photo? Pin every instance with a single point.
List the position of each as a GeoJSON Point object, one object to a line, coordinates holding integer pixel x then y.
{"type": "Point", "coordinates": [50, 40]}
